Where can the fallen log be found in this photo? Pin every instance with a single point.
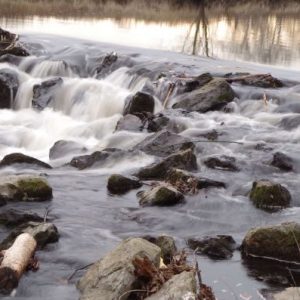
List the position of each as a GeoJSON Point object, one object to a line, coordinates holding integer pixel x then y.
{"type": "Point", "coordinates": [15, 261]}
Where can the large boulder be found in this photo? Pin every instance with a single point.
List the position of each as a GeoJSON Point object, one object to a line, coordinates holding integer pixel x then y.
{"type": "Point", "coordinates": [161, 195]}
{"type": "Point", "coordinates": [44, 234]}
{"type": "Point", "coordinates": [225, 163]}
{"type": "Point", "coordinates": [277, 242]}
{"type": "Point", "coordinates": [12, 218]}
{"type": "Point", "coordinates": [266, 194]}
{"type": "Point", "coordinates": [138, 103]}
{"type": "Point", "coordinates": [219, 247]}
{"type": "Point", "coordinates": [9, 83]}
{"type": "Point", "coordinates": [44, 93]}
{"type": "Point", "coordinates": [21, 159]}
{"type": "Point", "coordinates": [113, 276]}
{"type": "Point", "coordinates": [282, 162]}
{"type": "Point", "coordinates": [119, 184]}
{"type": "Point", "coordinates": [185, 160]}
{"type": "Point", "coordinates": [25, 188]}
{"type": "Point", "coordinates": [164, 143]}
{"type": "Point", "coordinates": [63, 148]}
{"type": "Point", "coordinates": [212, 96]}
{"type": "Point", "coordinates": [182, 286]}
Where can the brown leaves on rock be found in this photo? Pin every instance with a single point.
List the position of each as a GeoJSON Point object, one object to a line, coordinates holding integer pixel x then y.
{"type": "Point", "coordinates": [189, 186]}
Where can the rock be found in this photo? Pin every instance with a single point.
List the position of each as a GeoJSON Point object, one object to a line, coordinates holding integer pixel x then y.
{"type": "Point", "coordinates": [20, 158]}
{"type": "Point", "coordinates": [9, 83]}
{"type": "Point", "coordinates": [269, 195]}
{"type": "Point", "coordinates": [219, 247]}
{"type": "Point", "coordinates": [187, 183]}
{"type": "Point", "coordinates": [290, 122]}
{"type": "Point", "coordinates": [185, 160]}
{"type": "Point", "coordinates": [44, 234]}
{"type": "Point", "coordinates": [282, 162]}
{"type": "Point", "coordinates": [277, 242]}
{"type": "Point", "coordinates": [166, 244]}
{"type": "Point", "coordinates": [44, 93]}
{"type": "Point", "coordinates": [212, 96]}
{"type": "Point", "coordinates": [224, 162]}
{"type": "Point", "coordinates": [113, 276]}
{"type": "Point", "coordinates": [164, 143]}
{"type": "Point", "coordinates": [161, 195]}
{"type": "Point", "coordinates": [63, 148]}
{"type": "Point", "coordinates": [14, 218]}
{"type": "Point", "coordinates": [16, 49]}
{"type": "Point", "coordinates": [2, 201]}
{"type": "Point", "coordinates": [118, 184]}
{"type": "Point", "coordinates": [105, 64]}
{"type": "Point", "coordinates": [292, 293]}
{"type": "Point", "coordinates": [257, 80]}
{"type": "Point", "coordinates": [263, 147]}
{"type": "Point", "coordinates": [25, 188]}
{"type": "Point", "coordinates": [198, 82]}
{"type": "Point", "coordinates": [158, 122]}
{"type": "Point", "coordinates": [138, 103]}
{"type": "Point", "coordinates": [180, 287]}
{"type": "Point", "coordinates": [129, 123]}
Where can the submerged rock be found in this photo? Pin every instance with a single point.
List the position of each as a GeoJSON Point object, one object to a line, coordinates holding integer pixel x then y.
{"type": "Point", "coordinates": [14, 218]}
{"type": "Point", "coordinates": [20, 158]}
{"type": "Point", "coordinates": [290, 122]}
{"type": "Point", "coordinates": [185, 160]}
{"type": "Point", "coordinates": [278, 242]}
{"type": "Point", "coordinates": [44, 234]}
{"type": "Point", "coordinates": [180, 287]}
{"type": "Point", "coordinates": [44, 93]}
{"type": "Point", "coordinates": [9, 83]}
{"type": "Point", "coordinates": [212, 96]}
{"type": "Point", "coordinates": [269, 195]}
{"type": "Point", "coordinates": [63, 148]}
{"type": "Point", "coordinates": [118, 184]}
{"type": "Point", "coordinates": [161, 195]}
{"type": "Point", "coordinates": [164, 143]}
{"type": "Point", "coordinates": [129, 123]}
{"type": "Point", "coordinates": [138, 103]}
{"type": "Point", "coordinates": [113, 276]}
{"type": "Point", "coordinates": [219, 247]}
{"type": "Point", "coordinates": [224, 162]}
{"type": "Point", "coordinates": [25, 188]}
{"type": "Point", "coordinates": [282, 162]}
{"type": "Point", "coordinates": [185, 182]}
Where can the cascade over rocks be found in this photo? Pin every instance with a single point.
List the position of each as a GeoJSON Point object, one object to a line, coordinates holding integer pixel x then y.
{"type": "Point", "coordinates": [20, 158]}
{"type": "Point", "coordinates": [277, 241]}
{"type": "Point", "coordinates": [119, 184]}
{"type": "Point", "coordinates": [64, 148]}
{"type": "Point", "coordinates": [9, 83]}
{"type": "Point", "coordinates": [44, 93]}
{"type": "Point", "coordinates": [139, 103]}
{"type": "Point", "coordinates": [212, 96]}
{"type": "Point", "coordinates": [164, 143]}
{"type": "Point", "coordinates": [185, 160]}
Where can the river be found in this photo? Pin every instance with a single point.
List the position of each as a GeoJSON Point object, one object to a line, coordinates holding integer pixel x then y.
{"type": "Point", "coordinates": [86, 110]}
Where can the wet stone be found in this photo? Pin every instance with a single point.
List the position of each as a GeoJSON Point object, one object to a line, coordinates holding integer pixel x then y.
{"type": "Point", "coordinates": [225, 163]}
{"type": "Point", "coordinates": [282, 162]}
{"type": "Point", "coordinates": [119, 184]}
{"type": "Point", "coordinates": [12, 218]}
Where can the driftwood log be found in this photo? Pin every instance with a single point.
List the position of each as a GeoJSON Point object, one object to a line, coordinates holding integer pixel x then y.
{"type": "Point", "coordinates": [15, 261]}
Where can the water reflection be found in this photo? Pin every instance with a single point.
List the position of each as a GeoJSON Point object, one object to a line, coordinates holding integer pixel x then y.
{"type": "Point", "coordinates": [270, 38]}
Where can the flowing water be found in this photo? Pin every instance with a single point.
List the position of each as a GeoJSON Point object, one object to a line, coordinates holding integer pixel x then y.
{"type": "Point", "coordinates": [86, 110]}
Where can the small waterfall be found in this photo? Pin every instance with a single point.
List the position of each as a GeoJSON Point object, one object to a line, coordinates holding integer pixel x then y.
{"type": "Point", "coordinates": [52, 68]}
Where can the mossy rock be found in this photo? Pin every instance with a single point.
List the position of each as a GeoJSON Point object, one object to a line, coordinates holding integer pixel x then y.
{"type": "Point", "coordinates": [118, 184]}
{"type": "Point", "coordinates": [269, 195]}
{"type": "Point", "coordinates": [34, 189]}
{"type": "Point", "coordinates": [278, 242]}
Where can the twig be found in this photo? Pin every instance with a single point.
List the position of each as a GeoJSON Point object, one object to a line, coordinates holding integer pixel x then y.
{"type": "Point", "coordinates": [131, 291]}
{"type": "Point", "coordinates": [198, 272]}
{"type": "Point", "coordinates": [80, 269]}
{"type": "Point", "coordinates": [203, 141]}
{"type": "Point", "coordinates": [170, 91]}
{"type": "Point", "coordinates": [47, 211]}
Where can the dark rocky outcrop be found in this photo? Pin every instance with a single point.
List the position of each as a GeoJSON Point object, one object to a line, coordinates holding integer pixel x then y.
{"type": "Point", "coordinates": [44, 93]}
{"type": "Point", "coordinates": [20, 158]}
{"type": "Point", "coordinates": [44, 234]}
{"type": "Point", "coordinates": [185, 160]}
{"type": "Point", "coordinates": [139, 103]}
{"type": "Point", "coordinates": [282, 162]}
{"type": "Point", "coordinates": [157, 122]}
{"type": "Point", "coordinates": [278, 242]}
{"type": "Point", "coordinates": [269, 195]}
{"type": "Point", "coordinates": [212, 96]}
{"type": "Point", "coordinates": [130, 123]}
{"type": "Point", "coordinates": [164, 143]}
{"type": "Point", "coordinates": [161, 195]}
{"type": "Point", "coordinates": [113, 276]}
{"type": "Point", "coordinates": [186, 182]}
{"type": "Point", "coordinates": [9, 83]}
{"type": "Point", "coordinates": [105, 64]}
{"type": "Point", "coordinates": [63, 148]}
{"type": "Point", "coordinates": [12, 218]}
{"type": "Point", "coordinates": [219, 247]}
{"type": "Point", "coordinates": [224, 162]}
{"type": "Point", "coordinates": [118, 184]}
